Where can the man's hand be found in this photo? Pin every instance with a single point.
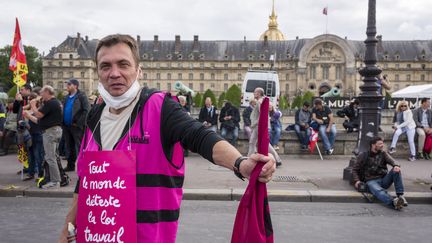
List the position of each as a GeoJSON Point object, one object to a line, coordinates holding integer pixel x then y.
{"type": "Point", "coordinates": [18, 97]}
{"type": "Point", "coordinates": [247, 166]}
{"type": "Point", "coordinates": [328, 129]}
{"type": "Point", "coordinates": [428, 130]}
{"type": "Point", "coordinates": [396, 169]}
{"type": "Point", "coordinates": [356, 185]}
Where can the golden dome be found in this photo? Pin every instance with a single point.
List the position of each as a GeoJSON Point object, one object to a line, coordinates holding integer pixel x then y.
{"type": "Point", "coordinates": [273, 33]}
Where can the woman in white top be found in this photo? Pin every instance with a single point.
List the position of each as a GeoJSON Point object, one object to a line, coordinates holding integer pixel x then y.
{"type": "Point", "coordinates": [404, 122]}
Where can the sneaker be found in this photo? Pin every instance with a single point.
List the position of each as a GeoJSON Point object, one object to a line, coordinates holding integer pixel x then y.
{"type": "Point", "coordinates": [420, 156]}
{"type": "Point", "coordinates": [392, 150]}
{"type": "Point", "coordinates": [51, 185]}
{"type": "Point", "coordinates": [330, 151]}
{"type": "Point", "coordinates": [276, 147]}
{"type": "Point", "coordinates": [405, 203]}
{"type": "Point", "coordinates": [412, 158]}
{"type": "Point", "coordinates": [304, 147]}
{"type": "Point", "coordinates": [28, 177]}
{"type": "Point", "coordinates": [426, 156]}
{"type": "Point", "coordinates": [398, 203]}
{"type": "Point", "coordinates": [278, 164]}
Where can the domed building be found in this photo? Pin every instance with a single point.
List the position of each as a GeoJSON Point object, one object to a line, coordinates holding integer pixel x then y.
{"type": "Point", "coordinates": [273, 33]}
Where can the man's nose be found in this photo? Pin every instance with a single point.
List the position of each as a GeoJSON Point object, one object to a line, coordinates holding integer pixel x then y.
{"type": "Point", "coordinates": [115, 72]}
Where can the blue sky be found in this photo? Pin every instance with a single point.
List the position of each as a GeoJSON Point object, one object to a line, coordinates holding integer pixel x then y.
{"type": "Point", "coordinates": [47, 23]}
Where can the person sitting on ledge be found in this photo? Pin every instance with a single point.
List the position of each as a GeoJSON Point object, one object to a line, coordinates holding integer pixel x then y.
{"type": "Point", "coordinates": [351, 115]}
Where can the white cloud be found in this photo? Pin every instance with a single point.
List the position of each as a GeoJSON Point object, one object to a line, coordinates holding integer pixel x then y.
{"type": "Point", "coordinates": [47, 23]}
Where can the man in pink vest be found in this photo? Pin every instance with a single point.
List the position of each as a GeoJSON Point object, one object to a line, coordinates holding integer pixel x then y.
{"type": "Point", "coordinates": [153, 124]}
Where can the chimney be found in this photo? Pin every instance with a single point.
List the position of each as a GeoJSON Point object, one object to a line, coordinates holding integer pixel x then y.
{"type": "Point", "coordinates": [155, 43]}
{"type": "Point", "coordinates": [86, 38]}
{"type": "Point", "coordinates": [379, 37]}
{"type": "Point", "coordinates": [265, 41]}
{"type": "Point", "coordinates": [380, 48]}
{"type": "Point", "coordinates": [297, 37]}
{"type": "Point", "coordinates": [138, 39]}
{"type": "Point", "coordinates": [78, 40]}
{"type": "Point", "coordinates": [195, 46]}
{"type": "Point", "coordinates": [177, 44]}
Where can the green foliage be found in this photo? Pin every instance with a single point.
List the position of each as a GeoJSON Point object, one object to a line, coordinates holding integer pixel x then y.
{"type": "Point", "coordinates": [388, 95]}
{"type": "Point", "coordinates": [221, 100]}
{"type": "Point", "coordinates": [34, 63]}
{"type": "Point", "coordinates": [297, 102]}
{"type": "Point", "coordinates": [308, 96]}
{"type": "Point", "coordinates": [210, 94]}
{"type": "Point", "coordinates": [233, 95]}
{"type": "Point", "coordinates": [60, 95]}
{"type": "Point", "coordinates": [197, 100]}
{"type": "Point", "coordinates": [12, 92]}
{"type": "Point", "coordinates": [283, 102]}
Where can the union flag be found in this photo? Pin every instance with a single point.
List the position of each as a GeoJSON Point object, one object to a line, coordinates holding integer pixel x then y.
{"type": "Point", "coordinates": [17, 61]}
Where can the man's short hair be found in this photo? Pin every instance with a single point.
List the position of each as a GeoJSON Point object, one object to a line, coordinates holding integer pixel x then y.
{"type": "Point", "coordinates": [374, 140]}
{"type": "Point", "coordinates": [424, 100]}
{"type": "Point", "coordinates": [112, 40]}
{"type": "Point", "coordinates": [318, 102]}
{"type": "Point", "coordinates": [48, 89]}
{"type": "Point", "coordinates": [306, 103]}
{"type": "Point", "coordinates": [27, 87]}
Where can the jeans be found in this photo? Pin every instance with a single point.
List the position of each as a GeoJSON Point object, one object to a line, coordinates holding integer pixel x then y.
{"type": "Point", "coordinates": [275, 134]}
{"type": "Point", "coordinates": [213, 128]}
{"type": "Point", "coordinates": [73, 136]}
{"type": "Point", "coordinates": [232, 135]}
{"type": "Point", "coordinates": [378, 186]}
{"type": "Point", "coordinates": [303, 138]}
{"type": "Point", "coordinates": [36, 153]}
{"type": "Point", "coordinates": [328, 141]}
{"type": "Point", "coordinates": [247, 131]}
{"type": "Point", "coordinates": [51, 140]}
{"type": "Point", "coordinates": [410, 135]}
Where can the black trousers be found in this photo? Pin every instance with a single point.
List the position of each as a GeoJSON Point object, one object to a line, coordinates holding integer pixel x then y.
{"type": "Point", "coordinates": [73, 136]}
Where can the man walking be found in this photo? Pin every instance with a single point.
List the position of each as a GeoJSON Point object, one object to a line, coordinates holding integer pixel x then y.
{"type": "Point", "coordinates": [75, 109]}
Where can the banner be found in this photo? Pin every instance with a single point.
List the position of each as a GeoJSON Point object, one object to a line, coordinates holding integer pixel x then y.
{"type": "Point", "coordinates": [17, 61]}
{"type": "Point", "coordinates": [107, 197]}
{"type": "Point", "coordinates": [340, 102]}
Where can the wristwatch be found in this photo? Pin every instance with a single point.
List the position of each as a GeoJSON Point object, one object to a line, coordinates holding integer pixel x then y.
{"type": "Point", "coordinates": [237, 167]}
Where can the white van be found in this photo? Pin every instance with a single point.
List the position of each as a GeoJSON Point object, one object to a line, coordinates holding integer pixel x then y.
{"type": "Point", "coordinates": [266, 79]}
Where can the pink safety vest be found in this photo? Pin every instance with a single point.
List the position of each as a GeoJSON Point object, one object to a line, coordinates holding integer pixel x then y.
{"type": "Point", "coordinates": [159, 180]}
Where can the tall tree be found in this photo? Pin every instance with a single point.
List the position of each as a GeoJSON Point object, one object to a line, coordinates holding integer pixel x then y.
{"type": "Point", "coordinates": [34, 62]}
{"type": "Point", "coordinates": [233, 95]}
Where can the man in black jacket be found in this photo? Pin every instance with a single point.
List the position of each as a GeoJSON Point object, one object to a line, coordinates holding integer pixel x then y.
{"type": "Point", "coordinates": [208, 115]}
{"type": "Point", "coordinates": [230, 118]}
{"type": "Point", "coordinates": [21, 99]}
{"type": "Point", "coordinates": [351, 115]}
{"type": "Point", "coordinates": [371, 168]}
{"type": "Point", "coordinates": [75, 109]}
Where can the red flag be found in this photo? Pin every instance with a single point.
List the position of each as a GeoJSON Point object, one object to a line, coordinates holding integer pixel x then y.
{"type": "Point", "coordinates": [17, 61]}
{"type": "Point", "coordinates": [253, 222]}
{"type": "Point", "coordinates": [324, 11]}
{"type": "Point", "coordinates": [313, 139]}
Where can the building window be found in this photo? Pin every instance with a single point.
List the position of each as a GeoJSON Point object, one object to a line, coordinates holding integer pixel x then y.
{"type": "Point", "coordinates": [251, 65]}
{"type": "Point", "coordinates": [60, 85]}
{"type": "Point", "coordinates": [179, 76]}
{"type": "Point", "coordinates": [191, 65]}
{"type": "Point", "coordinates": [82, 74]}
{"type": "Point", "coordinates": [70, 64]}
{"type": "Point", "coordinates": [287, 76]}
{"type": "Point", "coordinates": [201, 87]}
{"type": "Point", "coordinates": [169, 76]}
{"type": "Point", "coordinates": [190, 76]}
{"type": "Point", "coordinates": [408, 65]}
{"type": "Point", "coordinates": [212, 85]}
{"type": "Point", "coordinates": [82, 85]}
{"type": "Point", "coordinates": [60, 74]}
{"type": "Point", "coordinates": [385, 65]}
{"type": "Point", "coordinates": [70, 56]}
{"type": "Point", "coordinates": [145, 75]}
{"type": "Point", "coordinates": [158, 86]}
{"type": "Point", "coordinates": [168, 65]}
{"type": "Point", "coordinates": [50, 74]}
{"type": "Point", "coordinates": [179, 65]}
{"type": "Point", "coordinates": [201, 65]}
{"type": "Point", "coordinates": [225, 65]}
{"type": "Point", "coordinates": [422, 77]}
{"type": "Point", "coordinates": [239, 65]}
{"type": "Point", "coordinates": [397, 77]}
{"type": "Point", "coordinates": [82, 64]}
{"type": "Point", "coordinates": [212, 76]}
{"type": "Point", "coordinates": [408, 77]}
{"type": "Point", "coordinates": [312, 72]}
{"type": "Point", "coordinates": [325, 72]}
{"type": "Point", "coordinates": [158, 77]}
{"type": "Point", "coordinates": [157, 65]}
{"type": "Point", "coordinates": [168, 86]}
{"type": "Point", "coordinates": [212, 65]}
{"type": "Point", "coordinates": [262, 65]}
{"type": "Point", "coordinates": [61, 64]}
{"type": "Point", "coordinates": [202, 76]}
{"type": "Point", "coordinates": [70, 74]}
{"type": "Point", "coordinates": [286, 88]}
{"type": "Point", "coordinates": [225, 86]}
{"type": "Point", "coordinates": [191, 86]}
{"type": "Point", "coordinates": [239, 76]}
{"type": "Point", "coordinates": [226, 76]}
{"type": "Point", "coordinates": [60, 56]}
{"type": "Point", "coordinates": [397, 65]}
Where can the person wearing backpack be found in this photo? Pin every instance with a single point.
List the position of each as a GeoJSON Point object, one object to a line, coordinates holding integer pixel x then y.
{"type": "Point", "coordinates": [49, 117]}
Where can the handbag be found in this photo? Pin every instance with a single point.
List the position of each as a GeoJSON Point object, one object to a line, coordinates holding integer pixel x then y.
{"type": "Point", "coordinates": [428, 144]}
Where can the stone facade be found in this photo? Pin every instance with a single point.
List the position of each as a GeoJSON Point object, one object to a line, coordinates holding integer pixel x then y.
{"type": "Point", "coordinates": [315, 64]}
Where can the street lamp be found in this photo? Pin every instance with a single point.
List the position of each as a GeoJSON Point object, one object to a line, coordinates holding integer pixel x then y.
{"type": "Point", "coordinates": [369, 97]}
